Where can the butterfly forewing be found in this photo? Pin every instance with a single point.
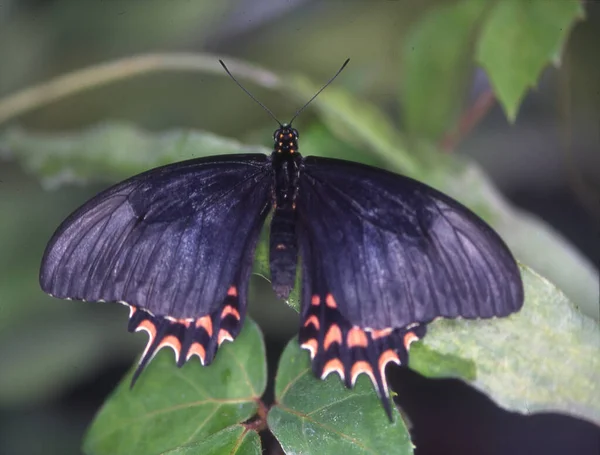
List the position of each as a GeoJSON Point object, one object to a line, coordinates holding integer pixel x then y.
{"type": "Point", "coordinates": [175, 243]}
{"type": "Point", "coordinates": [395, 251]}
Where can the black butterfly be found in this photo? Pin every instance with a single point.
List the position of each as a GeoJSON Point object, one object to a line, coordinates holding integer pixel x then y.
{"type": "Point", "coordinates": [382, 255]}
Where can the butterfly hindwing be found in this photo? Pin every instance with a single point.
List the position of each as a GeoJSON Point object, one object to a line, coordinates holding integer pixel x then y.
{"type": "Point", "coordinates": [336, 345]}
{"type": "Point", "coordinates": [382, 255]}
{"type": "Point", "coordinates": [176, 244]}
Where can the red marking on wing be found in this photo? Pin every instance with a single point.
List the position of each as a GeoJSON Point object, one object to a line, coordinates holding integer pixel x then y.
{"type": "Point", "coordinates": [171, 341]}
{"type": "Point", "coordinates": [197, 349]}
{"type": "Point", "coordinates": [333, 335]}
{"type": "Point", "coordinates": [206, 323]}
{"type": "Point", "coordinates": [357, 338]}
{"type": "Point", "coordinates": [330, 302]}
{"type": "Point", "coordinates": [376, 334]}
{"type": "Point", "coordinates": [409, 338]}
{"type": "Point", "coordinates": [312, 319]}
{"type": "Point", "coordinates": [230, 310]}
{"type": "Point", "coordinates": [312, 346]}
{"type": "Point", "coordinates": [387, 357]}
{"type": "Point", "coordinates": [224, 335]}
{"type": "Point", "coordinates": [331, 366]}
{"type": "Point", "coordinates": [360, 367]}
{"type": "Point", "coordinates": [232, 291]}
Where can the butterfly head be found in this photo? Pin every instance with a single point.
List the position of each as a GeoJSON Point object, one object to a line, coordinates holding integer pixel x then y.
{"type": "Point", "coordinates": [285, 139]}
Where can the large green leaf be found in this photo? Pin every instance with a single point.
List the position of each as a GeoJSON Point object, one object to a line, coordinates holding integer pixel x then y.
{"type": "Point", "coordinates": [519, 39]}
{"type": "Point", "coordinates": [234, 440]}
{"type": "Point", "coordinates": [545, 357]}
{"type": "Point", "coordinates": [170, 407]}
{"type": "Point", "coordinates": [436, 56]}
{"type": "Point", "coordinates": [316, 417]}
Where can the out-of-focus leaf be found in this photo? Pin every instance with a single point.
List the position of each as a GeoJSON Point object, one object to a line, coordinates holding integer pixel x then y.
{"type": "Point", "coordinates": [519, 39]}
{"type": "Point", "coordinates": [312, 416]}
{"type": "Point", "coordinates": [545, 357]}
{"type": "Point", "coordinates": [234, 440]}
{"type": "Point", "coordinates": [109, 152]}
{"type": "Point", "coordinates": [436, 57]}
{"type": "Point", "coordinates": [27, 220]}
{"type": "Point", "coordinates": [171, 407]}
{"type": "Point", "coordinates": [357, 122]}
{"type": "Point", "coordinates": [45, 355]}
{"type": "Point", "coordinates": [433, 364]}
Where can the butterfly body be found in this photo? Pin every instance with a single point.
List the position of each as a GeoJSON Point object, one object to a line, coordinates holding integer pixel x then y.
{"type": "Point", "coordinates": [283, 243]}
{"type": "Point", "coordinates": [381, 256]}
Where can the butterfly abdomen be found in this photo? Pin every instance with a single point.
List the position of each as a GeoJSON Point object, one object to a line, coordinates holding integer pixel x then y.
{"type": "Point", "coordinates": [283, 251]}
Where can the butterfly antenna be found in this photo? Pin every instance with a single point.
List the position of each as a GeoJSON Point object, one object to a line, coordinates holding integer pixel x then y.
{"type": "Point", "coordinates": [317, 94]}
{"type": "Point", "coordinates": [248, 93]}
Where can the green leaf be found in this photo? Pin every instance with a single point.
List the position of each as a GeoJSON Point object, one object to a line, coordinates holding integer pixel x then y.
{"type": "Point", "coordinates": [519, 39]}
{"type": "Point", "coordinates": [312, 416]}
{"type": "Point", "coordinates": [436, 57]}
{"type": "Point", "coordinates": [545, 357]}
{"type": "Point", "coordinates": [171, 407]}
{"type": "Point", "coordinates": [235, 440]}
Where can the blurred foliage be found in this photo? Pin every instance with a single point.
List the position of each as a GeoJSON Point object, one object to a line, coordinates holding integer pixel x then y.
{"type": "Point", "coordinates": [518, 40]}
{"type": "Point", "coordinates": [423, 51]}
{"type": "Point", "coordinates": [170, 409]}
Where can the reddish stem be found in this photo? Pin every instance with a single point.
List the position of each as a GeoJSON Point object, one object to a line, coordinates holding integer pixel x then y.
{"type": "Point", "coordinates": [468, 120]}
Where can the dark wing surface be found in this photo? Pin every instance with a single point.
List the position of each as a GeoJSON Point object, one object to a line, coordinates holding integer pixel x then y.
{"type": "Point", "coordinates": [383, 255]}
{"type": "Point", "coordinates": [176, 244]}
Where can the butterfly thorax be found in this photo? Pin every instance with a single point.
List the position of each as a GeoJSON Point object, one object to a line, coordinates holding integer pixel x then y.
{"type": "Point", "coordinates": [283, 244]}
{"type": "Point", "coordinates": [286, 166]}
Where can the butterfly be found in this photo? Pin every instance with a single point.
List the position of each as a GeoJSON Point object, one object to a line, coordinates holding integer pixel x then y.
{"type": "Point", "coordinates": [381, 256]}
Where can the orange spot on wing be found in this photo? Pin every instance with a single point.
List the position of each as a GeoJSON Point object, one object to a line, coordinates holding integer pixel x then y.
{"type": "Point", "coordinates": [206, 323]}
{"type": "Point", "coordinates": [148, 326]}
{"type": "Point", "coordinates": [376, 334]}
{"type": "Point", "coordinates": [385, 358]}
{"type": "Point", "coordinates": [312, 319]}
{"type": "Point", "coordinates": [330, 301]}
{"type": "Point", "coordinates": [171, 341]}
{"type": "Point", "coordinates": [331, 366]}
{"type": "Point", "coordinates": [333, 335]}
{"type": "Point", "coordinates": [132, 311]}
{"type": "Point", "coordinates": [312, 346]}
{"type": "Point", "coordinates": [232, 291]}
{"type": "Point", "coordinates": [357, 338]}
{"type": "Point", "coordinates": [230, 310]}
{"type": "Point", "coordinates": [197, 349]}
{"type": "Point", "coordinates": [224, 335]}
{"type": "Point", "coordinates": [409, 338]}
{"type": "Point", "coordinates": [316, 300]}
{"type": "Point", "coordinates": [360, 367]}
